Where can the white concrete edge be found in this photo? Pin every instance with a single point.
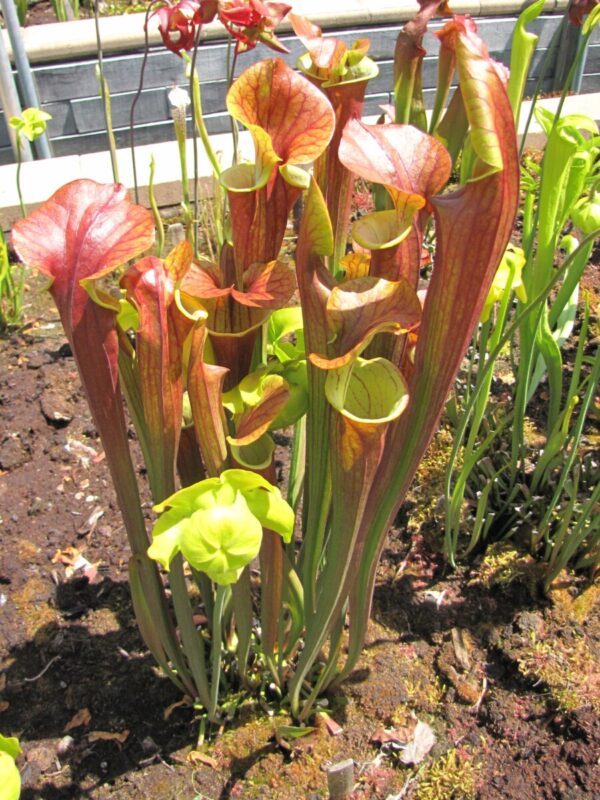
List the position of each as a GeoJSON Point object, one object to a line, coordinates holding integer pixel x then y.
{"type": "Point", "coordinates": [40, 179]}
{"type": "Point", "coordinates": [77, 39]}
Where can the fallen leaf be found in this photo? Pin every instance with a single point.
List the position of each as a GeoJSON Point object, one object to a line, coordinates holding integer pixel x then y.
{"type": "Point", "coordinates": [293, 731]}
{"type": "Point", "coordinates": [82, 717]}
{"type": "Point", "coordinates": [89, 525]}
{"type": "Point", "coordinates": [168, 711]}
{"type": "Point", "coordinates": [333, 729]}
{"type": "Point", "coordinates": [422, 742]}
{"type": "Point", "coordinates": [82, 452]}
{"type": "Point", "coordinates": [74, 561]}
{"type": "Point", "coordinates": [398, 736]}
{"type": "Point", "coordinates": [4, 704]}
{"type": "Point", "coordinates": [198, 757]}
{"type": "Point", "coordinates": [460, 642]}
{"type": "Point", "coordinates": [437, 597]}
{"type": "Point", "coordinates": [68, 556]}
{"type": "Point", "coordinates": [2, 681]}
{"type": "Point", "coordinates": [107, 736]}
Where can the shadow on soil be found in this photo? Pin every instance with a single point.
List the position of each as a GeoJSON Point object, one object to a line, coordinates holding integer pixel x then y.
{"type": "Point", "coordinates": [81, 679]}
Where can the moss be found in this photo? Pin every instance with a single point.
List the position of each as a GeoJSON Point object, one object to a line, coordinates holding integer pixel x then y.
{"type": "Point", "coordinates": [572, 608]}
{"type": "Point", "coordinates": [425, 693]}
{"type": "Point", "coordinates": [31, 600]}
{"type": "Point", "coordinates": [429, 480]}
{"type": "Point", "coordinates": [503, 565]}
{"type": "Point", "coordinates": [453, 776]}
{"type": "Point", "coordinates": [568, 668]}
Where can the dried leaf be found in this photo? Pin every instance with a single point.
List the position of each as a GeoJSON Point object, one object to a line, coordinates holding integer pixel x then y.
{"type": "Point", "coordinates": [423, 740]}
{"type": "Point", "coordinates": [4, 704]}
{"type": "Point", "coordinates": [107, 736]}
{"type": "Point", "coordinates": [461, 648]}
{"type": "Point", "coordinates": [332, 727]}
{"type": "Point", "coordinates": [198, 757]}
{"type": "Point", "coordinates": [68, 556]}
{"type": "Point", "coordinates": [399, 736]}
{"type": "Point", "coordinates": [168, 711]}
{"type": "Point", "coordinates": [90, 524]}
{"type": "Point", "coordinates": [82, 717]}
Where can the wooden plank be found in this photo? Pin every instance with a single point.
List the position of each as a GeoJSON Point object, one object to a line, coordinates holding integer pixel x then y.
{"type": "Point", "coordinates": [4, 140]}
{"type": "Point", "coordinates": [70, 91]}
{"type": "Point", "coordinates": [151, 107]}
{"type": "Point", "coordinates": [592, 64]}
{"type": "Point", "coordinates": [591, 83]}
{"type": "Point", "coordinates": [6, 156]}
{"type": "Point", "coordinates": [77, 79]}
{"type": "Point", "coordinates": [163, 131]}
{"type": "Point", "coordinates": [63, 121]}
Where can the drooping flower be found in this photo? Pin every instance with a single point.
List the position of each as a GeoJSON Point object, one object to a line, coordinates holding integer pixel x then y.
{"type": "Point", "coordinates": [253, 21]}
{"type": "Point", "coordinates": [31, 124]}
{"type": "Point", "coordinates": [578, 9]}
{"type": "Point", "coordinates": [178, 22]}
{"type": "Point", "coordinates": [217, 524]}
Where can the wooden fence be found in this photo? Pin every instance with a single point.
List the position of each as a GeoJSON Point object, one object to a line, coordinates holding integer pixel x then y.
{"type": "Point", "coordinates": [69, 89]}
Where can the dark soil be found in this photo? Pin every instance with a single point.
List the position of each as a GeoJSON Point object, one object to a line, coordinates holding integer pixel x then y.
{"type": "Point", "coordinates": [508, 680]}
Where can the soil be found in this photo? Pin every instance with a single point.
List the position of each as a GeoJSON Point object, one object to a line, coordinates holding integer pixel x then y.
{"type": "Point", "coordinates": [40, 12]}
{"type": "Point", "coordinates": [507, 679]}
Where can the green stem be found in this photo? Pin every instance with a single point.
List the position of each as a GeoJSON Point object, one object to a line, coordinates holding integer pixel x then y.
{"type": "Point", "coordinates": [18, 178]}
{"type": "Point", "coordinates": [193, 644]}
{"type": "Point", "coordinates": [242, 606]}
{"type": "Point", "coordinates": [160, 228]}
{"type": "Point", "coordinates": [231, 64]}
{"type": "Point", "coordinates": [105, 95]}
{"type": "Point", "coordinates": [223, 593]}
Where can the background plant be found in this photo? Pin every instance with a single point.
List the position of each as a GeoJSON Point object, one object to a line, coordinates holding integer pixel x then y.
{"type": "Point", "coordinates": [551, 497]}
{"type": "Point", "coordinates": [10, 778]}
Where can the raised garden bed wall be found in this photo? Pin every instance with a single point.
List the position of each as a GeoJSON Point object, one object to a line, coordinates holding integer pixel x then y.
{"type": "Point", "coordinates": [68, 89]}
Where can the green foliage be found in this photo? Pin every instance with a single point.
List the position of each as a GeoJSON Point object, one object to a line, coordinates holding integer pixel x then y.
{"type": "Point", "coordinates": [10, 779]}
{"type": "Point", "coordinates": [12, 280]}
{"type": "Point", "coordinates": [213, 356]}
{"type": "Point", "coordinates": [505, 485]}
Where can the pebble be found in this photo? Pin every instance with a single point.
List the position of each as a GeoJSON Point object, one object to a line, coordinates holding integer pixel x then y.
{"type": "Point", "coordinates": [65, 744]}
{"type": "Point", "coordinates": [149, 746]}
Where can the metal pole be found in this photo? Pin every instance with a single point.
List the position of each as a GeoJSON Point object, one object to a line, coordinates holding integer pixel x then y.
{"type": "Point", "coordinates": [11, 104]}
{"type": "Point", "coordinates": [30, 95]}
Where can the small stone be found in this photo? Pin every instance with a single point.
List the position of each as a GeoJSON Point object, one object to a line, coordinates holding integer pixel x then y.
{"type": "Point", "coordinates": [55, 408]}
{"type": "Point", "coordinates": [65, 745]}
{"type": "Point", "coordinates": [37, 360]}
{"type": "Point", "coordinates": [36, 506]}
{"type": "Point", "coordinates": [149, 746]}
{"type": "Point", "coordinates": [12, 453]}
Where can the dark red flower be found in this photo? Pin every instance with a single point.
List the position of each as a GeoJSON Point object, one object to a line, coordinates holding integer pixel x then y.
{"type": "Point", "coordinates": [178, 22]}
{"type": "Point", "coordinates": [253, 21]}
{"type": "Point", "coordinates": [578, 10]}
